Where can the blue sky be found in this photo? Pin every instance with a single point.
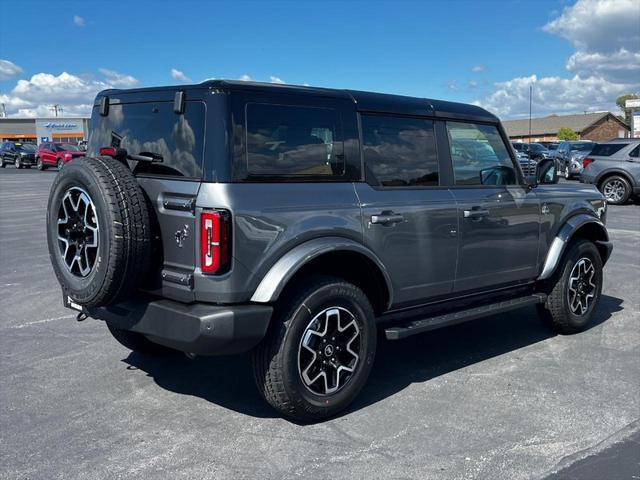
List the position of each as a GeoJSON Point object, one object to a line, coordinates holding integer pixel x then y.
{"type": "Point", "coordinates": [456, 50]}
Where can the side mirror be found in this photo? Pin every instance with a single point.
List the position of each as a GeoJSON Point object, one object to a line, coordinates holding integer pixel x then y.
{"type": "Point", "coordinates": [547, 171]}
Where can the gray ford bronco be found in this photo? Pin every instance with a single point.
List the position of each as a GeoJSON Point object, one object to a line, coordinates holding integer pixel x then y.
{"type": "Point", "coordinates": [297, 222]}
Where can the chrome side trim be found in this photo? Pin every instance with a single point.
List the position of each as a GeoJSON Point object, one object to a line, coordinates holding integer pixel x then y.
{"type": "Point", "coordinates": [553, 256]}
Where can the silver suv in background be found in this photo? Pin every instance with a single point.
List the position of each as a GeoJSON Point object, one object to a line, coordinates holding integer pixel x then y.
{"type": "Point", "coordinates": [614, 167]}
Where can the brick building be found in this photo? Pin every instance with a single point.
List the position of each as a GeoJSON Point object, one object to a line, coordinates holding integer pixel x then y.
{"type": "Point", "coordinates": [589, 126]}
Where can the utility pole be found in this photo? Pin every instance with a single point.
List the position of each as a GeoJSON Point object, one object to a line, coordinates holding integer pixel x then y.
{"type": "Point", "coordinates": [56, 108]}
{"type": "Point", "coordinates": [4, 111]}
{"type": "Point", "coordinates": [530, 95]}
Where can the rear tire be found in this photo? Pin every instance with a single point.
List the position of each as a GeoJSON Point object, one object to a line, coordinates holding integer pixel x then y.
{"type": "Point", "coordinates": [326, 326]}
{"type": "Point", "coordinates": [567, 310]}
{"type": "Point", "coordinates": [137, 342]}
{"type": "Point", "coordinates": [616, 189]}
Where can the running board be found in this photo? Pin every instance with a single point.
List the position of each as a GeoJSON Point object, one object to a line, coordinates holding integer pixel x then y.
{"type": "Point", "coordinates": [424, 325]}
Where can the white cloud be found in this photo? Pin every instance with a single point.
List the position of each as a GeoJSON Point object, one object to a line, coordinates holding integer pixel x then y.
{"type": "Point", "coordinates": [605, 65]}
{"type": "Point", "coordinates": [274, 79]}
{"type": "Point", "coordinates": [79, 21]}
{"type": "Point", "coordinates": [552, 95]}
{"type": "Point", "coordinates": [245, 78]}
{"type": "Point", "coordinates": [119, 80]}
{"type": "Point", "coordinates": [179, 76]}
{"type": "Point", "coordinates": [478, 68]}
{"type": "Point", "coordinates": [34, 97]}
{"type": "Point", "coordinates": [9, 70]}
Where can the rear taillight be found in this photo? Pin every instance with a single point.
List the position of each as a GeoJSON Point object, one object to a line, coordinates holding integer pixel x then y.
{"type": "Point", "coordinates": [215, 241]}
{"type": "Point", "coordinates": [586, 161]}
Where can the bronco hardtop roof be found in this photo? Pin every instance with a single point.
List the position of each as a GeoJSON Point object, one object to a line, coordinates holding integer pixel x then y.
{"type": "Point", "coordinates": [364, 101]}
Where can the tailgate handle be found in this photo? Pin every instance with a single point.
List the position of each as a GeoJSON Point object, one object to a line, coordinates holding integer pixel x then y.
{"type": "Point", "coordinates": [180, 204]}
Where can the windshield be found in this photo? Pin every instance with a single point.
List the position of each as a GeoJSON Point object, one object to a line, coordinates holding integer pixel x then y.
{"type": "Point", "coordinates": [26, 147]}
{"type": "Point", "coordinates": [582, 147]}
{"type": "Point", "coordinates": [66, 147]}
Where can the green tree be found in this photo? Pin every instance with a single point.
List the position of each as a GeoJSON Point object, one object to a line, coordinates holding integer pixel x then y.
{"type": "Point", "coordinates": [625, 111]}
{"type": "Point", "coordinates": [565, 133]}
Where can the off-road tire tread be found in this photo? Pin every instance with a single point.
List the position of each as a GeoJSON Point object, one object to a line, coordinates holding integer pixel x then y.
{"type": "Point", "coordinates": [553, 311]}
{"type": "Point", "coordinates": [268, 354]}
{"type": "Point", "coordinates": [127, 259]}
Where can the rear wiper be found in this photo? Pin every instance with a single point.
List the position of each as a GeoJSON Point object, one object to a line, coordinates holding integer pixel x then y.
{"type": "Point", "coordinates": [146, 157]}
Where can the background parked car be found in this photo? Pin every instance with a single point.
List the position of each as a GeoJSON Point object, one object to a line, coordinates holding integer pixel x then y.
{"type": "Point", "coordinates": [51, 154]}
{"type": "Point", "coordinates": [552, 147]}
{"type": "Point", "coordinates": [615, 168]}
{"type": "Point", "coordinates": [18, 154]}
{"type": "Point", "coordinates": [570, 155]}
{"type": "Point", "coordinates": [535, 150]}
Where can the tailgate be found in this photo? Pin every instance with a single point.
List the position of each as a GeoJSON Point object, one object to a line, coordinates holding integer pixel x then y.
{"type": "Point", "coordinates": [173, 223]}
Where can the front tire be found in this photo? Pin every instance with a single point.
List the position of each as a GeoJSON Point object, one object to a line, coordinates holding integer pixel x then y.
{"type": "Point", "coordinates": [60, 164]}
{"type": "Point", "coordinates": [137, 342]}
{"type": "Point", "coordinates": [40, 165]}
{"type": "Point", "coordinates": [17, 163]}
{"type": "Point", "coordinates": [319, 350]}
{"type": "Point", "coordinates": [616, 189]}
{"type": "Point", "coordinates": [2, 164]}
{"type": "Point", "coordinates": [574, 290]}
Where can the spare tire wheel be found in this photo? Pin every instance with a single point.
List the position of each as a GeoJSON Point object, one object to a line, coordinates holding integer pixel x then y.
{"type": "Point", "coordinates": [98, 231]}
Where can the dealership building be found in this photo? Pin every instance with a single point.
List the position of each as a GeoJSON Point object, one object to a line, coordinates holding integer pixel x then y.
{"type": "Point", "coordinates": [38, 130]}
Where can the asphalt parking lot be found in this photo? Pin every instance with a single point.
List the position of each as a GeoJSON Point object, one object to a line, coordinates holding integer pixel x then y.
{"type": "Point", "coordinates": [499, 398]}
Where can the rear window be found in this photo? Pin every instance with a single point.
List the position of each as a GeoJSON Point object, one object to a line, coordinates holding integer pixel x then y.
{"type": "Point", "coordinates": [607, 149]}
{"type": "Point", "coordinates": [293, 141]}
{"type": "Point", "coordinates": [154, 130]}
{"type": "Point", "coordinates": [400, 152]}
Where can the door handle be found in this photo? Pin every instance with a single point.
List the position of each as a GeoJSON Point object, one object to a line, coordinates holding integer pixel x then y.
{"type": "Point", "coordinates": [476, 213]}
{"type": "Point", "coordinates": [387, 218]}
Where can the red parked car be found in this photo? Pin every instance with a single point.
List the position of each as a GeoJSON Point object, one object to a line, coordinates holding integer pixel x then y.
{"type": "Point", "coordinates": [51, 154]}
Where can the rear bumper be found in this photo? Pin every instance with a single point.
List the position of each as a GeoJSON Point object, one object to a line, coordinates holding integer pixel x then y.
{"type": "Point", "coordinates": [199, 328]}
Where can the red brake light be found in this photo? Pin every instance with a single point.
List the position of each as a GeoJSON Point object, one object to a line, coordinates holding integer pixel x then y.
{"type": "Point", "coordinates": [108, 151]}
{"type": "Point", "coordinates": [215, 238]}
{"type": "Point", "coordinates": [586, 161]}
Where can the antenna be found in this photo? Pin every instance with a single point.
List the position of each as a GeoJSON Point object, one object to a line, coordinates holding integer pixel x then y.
{"type": "Point", "coordinates": [530, 95]}
{"type": "Point", "coordinates": [56, 108]}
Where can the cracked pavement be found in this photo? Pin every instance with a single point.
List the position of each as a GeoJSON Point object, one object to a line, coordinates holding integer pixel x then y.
{"type": "Point", "coordinates": [498, 398]}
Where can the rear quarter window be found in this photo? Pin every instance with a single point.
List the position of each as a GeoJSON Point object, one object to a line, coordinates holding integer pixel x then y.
{"type": "Point", "coordinates": [154, 128]}
{"type": "Point", "coordinates": [293, 141]}
{"type": "Point", "coordinates": [607, 149]}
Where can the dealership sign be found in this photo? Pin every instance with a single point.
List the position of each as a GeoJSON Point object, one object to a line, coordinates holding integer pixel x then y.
{"type": "Point", "coordinates": [632, 103]}
{"type": "Point", "coordinates": [60, 126]}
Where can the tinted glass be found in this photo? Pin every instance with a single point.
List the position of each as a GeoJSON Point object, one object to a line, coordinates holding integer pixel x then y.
{"type": "Point", "coordinates": [153, 130]}
{"type": "Point", "coordinates": [635, 152]}
{"type": "Point", "coordinates": [66, 147]}
{"type": "Point", "coordinates": [293, 141]}
{"type": "Point", "coordinates": [27, 147]}
{"type": "Point", "coordinates": [400, 151]}
{"type": "Point", "coordinates": [582, 147]}
{"type": "Point", "coordinates": [479, 155]}
{"type": "Point", "coordinates": [607, 149]}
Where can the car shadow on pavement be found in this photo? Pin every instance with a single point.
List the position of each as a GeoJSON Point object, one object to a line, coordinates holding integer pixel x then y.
{"type": "Point", "coordinates": [227, 381]}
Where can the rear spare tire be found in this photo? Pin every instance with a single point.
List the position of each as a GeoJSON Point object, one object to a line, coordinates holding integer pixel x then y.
{"type": "Point", "coordinates": [98, 231]}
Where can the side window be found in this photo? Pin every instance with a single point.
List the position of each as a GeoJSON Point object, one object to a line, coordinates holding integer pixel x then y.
{"type": "Point", "coordinates": [607, 149]}
{"type": "Point", "coordinates": [285, 140]}
{"type": "Point", "coordinates": [479, 155]}
{"type": "Point", "coordinates": [635, 153]}
{"type": "Point", "coordinates": [400, 151]}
